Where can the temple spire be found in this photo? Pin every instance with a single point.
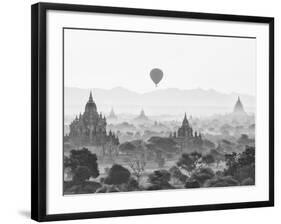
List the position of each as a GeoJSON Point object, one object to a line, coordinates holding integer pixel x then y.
{"type": "Point", "coordinates": [91, 98]}
{"type": "Point", "coordinates": [112, 114]}
{"type": "Point", "coordinates": [238, 108]}
{"type": "Point", "coordinates": [185, 121]}
{"type": "Point", "coordinates": [142, 116]}
{"type": "Point", "coordinates": [185, 118]}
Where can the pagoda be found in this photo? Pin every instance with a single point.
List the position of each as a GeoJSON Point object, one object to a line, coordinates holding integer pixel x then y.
{"type": "Point", "coordinates": [238, 108]}
{"type": "Point", "coordinates": [89, 128]}
{"type": "Point", "coordinates": [142, 116]}
{"type": "Point", "coordinates": [112, 115]}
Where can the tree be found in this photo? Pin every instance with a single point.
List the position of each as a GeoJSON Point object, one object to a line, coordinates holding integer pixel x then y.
{"type": "Point", "coordinates": [159, 180]}
{"type": "Point", "coordinates": [83, 164]}
{"type": "Point", "coordinates": [218, 156]}
{"type": "Point", "coordinates": [189, 161]}
{"type": "Point", "coordinates": [127, 147]}
{"type": "Point", "coordinates": [248, 181]}
{"type": "Point", "coordinates": [167, 145]}
{"type": "Point", "coordinates": [241, 166]}
{"type": "Point", "coordinates": [208, 159]}
{"type": "Point", "coordinates": [132, 185]}
{"type": "Point", "coordinates": [81, 174]}
{"type": "Point", "coordinates": [245, 140]}
{"type": "Point", "coordinates": [231, 163]}
{"type": "Point", "coordinates": [247, 157]}
{"type": "Point", "coordinates": [137, 166]}
{"type": "Point", "coordinates": [191, 184]}
{"type": "Point", "coordinates": [107, 189]}
{"type": "Point", "coordinates": [177, 174]}
{"type": "Point", "coordinates": [117, 175]}
{"type": "Point", "coordinates": [224, 181]}
{"type": "Point", "coordinates": [66, 162]}
{"type": "Point", "coordinates": [71, 187]}
{"type": "Point", "coordinates": [202, 174]}
{"type": "Point", "coordinates": [159, 176]}
{"type": "Point", "coordinates": [244, 172]}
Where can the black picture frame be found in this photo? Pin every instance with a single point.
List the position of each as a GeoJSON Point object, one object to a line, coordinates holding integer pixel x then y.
{"type": "Point", "coordinates": [39, 108]}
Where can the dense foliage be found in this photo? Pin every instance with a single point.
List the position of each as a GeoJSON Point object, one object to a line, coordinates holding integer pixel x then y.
{"type": "Point", "coordinates": [241, 166]}
{"type": "Point", "coordinates": [192, 170]}
{"type": "Point", "coordinates": [189, 161]}
{"type": "Point", "coordinates": [83, 165]}
{"type": "Point", "coordinates": [117, 175]}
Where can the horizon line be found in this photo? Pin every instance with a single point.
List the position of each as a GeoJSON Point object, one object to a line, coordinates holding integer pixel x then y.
{"type": "Point", "coordinates": [142, 93]}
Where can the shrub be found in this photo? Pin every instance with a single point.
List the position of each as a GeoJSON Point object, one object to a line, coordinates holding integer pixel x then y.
{"type": "Point", "coordinates": [107, 189]}
{"type": "Point", "coordinates": [153, 187]}
{"type": "Point", "coordinates": [221, 182]}
{"type": "Point", "coordinates": [189, 161]}
{"type": "Point", "coordinates": [248, 181]}
{"type": "Point", "coordinates": [159, 179]}
{"type": "Point", "coordinates": [90, 187]}
{"type": "Point", "coordinates": [102, 189]}
{"type": "Point", "coordinates": [241, 166]}
{"type": "Point", "coordinates": [208, 159]}
{"type": "Point", "coordinates": [246, 171]}
{"type": "Point", "coordinates": [132, 185]}
{"type": "Point", "coordinates": [202, 174]}
{"type": "Point", "coordinates": [85, 187]}
{"type": "Point", "coordinates": [127, 147]}
{"type": "Point", "coordinates": [177, 174]}
{"type": "Point", "coordinates": [192, 184]}
{"type": "Point", "coordinates": [112, 189]}
{"type": "Point", "coordinates": [117, 175]}
{"type": "Point", "coordinates": [163, 144]}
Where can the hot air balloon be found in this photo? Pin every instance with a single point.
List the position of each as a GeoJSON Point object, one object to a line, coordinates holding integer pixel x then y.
{"type": "Point", "coordinates": [156, 75]}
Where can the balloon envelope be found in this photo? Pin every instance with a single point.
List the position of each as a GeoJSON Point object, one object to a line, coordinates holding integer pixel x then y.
{"type": "Point", "coordinates": [156, 75]}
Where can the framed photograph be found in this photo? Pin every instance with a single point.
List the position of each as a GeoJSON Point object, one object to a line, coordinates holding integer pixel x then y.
{"type": "Point", "coordinates": [140, 111]}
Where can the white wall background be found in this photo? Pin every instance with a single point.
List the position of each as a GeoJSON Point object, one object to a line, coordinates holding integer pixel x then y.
{"type": "Point", "coordinates": [15, 109]}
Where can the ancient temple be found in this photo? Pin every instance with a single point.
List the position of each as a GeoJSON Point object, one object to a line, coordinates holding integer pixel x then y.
{"type": "Point", "coordinates": [238, 108]}
{"type": "Point", "coordinates": [186, 131]}
{"type": "Point", "coordinates": [89, 128]}
{"type": "Point", "coordinates": [186, 137]}
{"type": "Point", "coordinates": [112, 115]}
{"type": "Point", "coordinates": [142, 116]}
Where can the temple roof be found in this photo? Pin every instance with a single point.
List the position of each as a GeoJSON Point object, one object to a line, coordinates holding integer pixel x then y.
{"type": "Point", "coordinates": [238, 108]}
{"type": "Point", "coordinates": [185, 121]}
{"type": "Point", "coordinates": [142, 116]}
{"type": "Point", "coordinates": [91, 98]}
{"type": "Point", "coordinates": [112, 114]}
{"type": "Point", "coordinates": [91, 103]}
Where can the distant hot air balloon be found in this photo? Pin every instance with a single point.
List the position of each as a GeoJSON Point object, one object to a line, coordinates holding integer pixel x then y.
{"type": "Point", "coordinates": [156, 75]}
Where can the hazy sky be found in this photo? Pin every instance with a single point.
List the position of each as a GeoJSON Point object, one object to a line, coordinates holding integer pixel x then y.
{"type": "Point", "coordinates": [103, 59]}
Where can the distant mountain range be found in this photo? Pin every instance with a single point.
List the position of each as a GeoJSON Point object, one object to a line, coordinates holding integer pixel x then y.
{"type": "Point", "coordinates": [127, 101]}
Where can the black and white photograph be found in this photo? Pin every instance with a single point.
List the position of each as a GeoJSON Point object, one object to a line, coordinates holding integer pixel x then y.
{"type": "Point", "coordinates": [150, 111]}
{"type": "Point", "coordinates": [135, 112]}
{"type": "Point", "coordinates": [141, 111]}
